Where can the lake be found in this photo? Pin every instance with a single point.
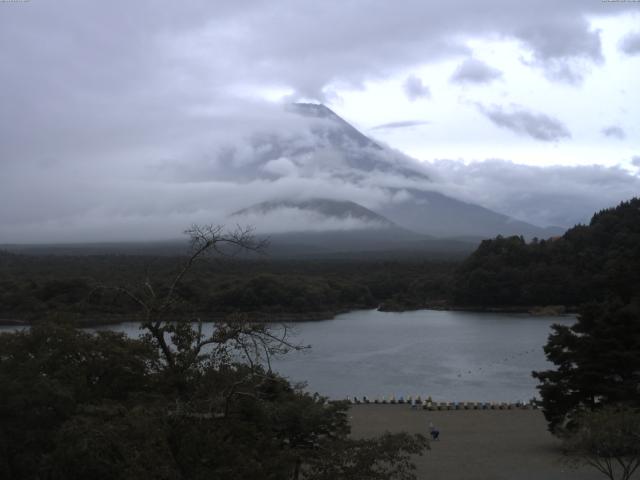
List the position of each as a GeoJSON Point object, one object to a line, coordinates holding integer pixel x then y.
{"type": "Point", "coordinates": [451, 356]}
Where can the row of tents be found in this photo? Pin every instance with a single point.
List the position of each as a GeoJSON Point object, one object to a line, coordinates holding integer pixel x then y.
{"type": "Point", "coordinates": [428, 404]}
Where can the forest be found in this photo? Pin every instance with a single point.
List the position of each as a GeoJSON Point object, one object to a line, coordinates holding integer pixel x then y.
{"type": "Point", "coordinates": [33, 287]}
{"type": "Point", "coordinates": [589, 262]}
{"type": "Point", "coordinates": [175, 403]}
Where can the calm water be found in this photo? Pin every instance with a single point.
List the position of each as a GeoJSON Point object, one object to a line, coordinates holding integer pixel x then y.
{"type": "Point", "coordinates": [453, 356]}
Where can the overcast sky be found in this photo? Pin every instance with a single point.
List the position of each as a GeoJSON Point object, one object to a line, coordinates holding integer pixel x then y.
{"type": "Point", "coordinates": [110, 111]}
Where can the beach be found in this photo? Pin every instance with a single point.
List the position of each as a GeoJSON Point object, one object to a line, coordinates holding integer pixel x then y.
{"type": "Point", "coordinates": [475, 444]}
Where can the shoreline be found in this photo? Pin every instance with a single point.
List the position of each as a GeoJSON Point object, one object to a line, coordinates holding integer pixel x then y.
{"type": "Point", "coordinates": [294, 317]}
{"type": "Point", "coordinates": [533, 310]}
{"type": "Point", "coordinates": [259, 317]}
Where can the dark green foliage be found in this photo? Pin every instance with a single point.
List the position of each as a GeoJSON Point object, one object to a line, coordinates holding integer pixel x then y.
{"type": "Point", "coordinates": [268, 292]}
{"type": "Point", "coordinates": [597, 359]}
{"type": "Point", "coordinates": [587, 263]}
{"type": "Point", "coordinates": [597, 363]}
{"type": "Point", "coordinates": [176, 403]}
{"type": "Point", "coordinates": [75, 405]}
{"type": "Point", "coordinates": [33, 287]}
{"type": "Point", "coordinates": [48, 374]}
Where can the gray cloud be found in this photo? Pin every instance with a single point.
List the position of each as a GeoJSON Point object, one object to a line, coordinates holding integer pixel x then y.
{"type": "Point", "coordinates": [415, 89]}
{"type": "Point", "coordinates": [523, 122]}
{"type": "Point", "coordinates": [401, 124]}
{"type": "Point", "coordinates": [615, 132]}
{"type": "Point", "coordinates": [131, 118]}
{"type": "Point", "coordinates": [630, 44]}
{"type": "Point", "coordinates": [295, 219]}
{"type": "Point", "coordinates": [554, 195]}
{"type": "Point", "coordinates": [475, 71]}
{"type": "Point", "coordinates": [275, 154]}
{"type": "Point", "coordinates": [561, 47]}
{"type": "Point", "coordinates": [88, 204]}
{"type": "Point", "coordinates": [635, 161]}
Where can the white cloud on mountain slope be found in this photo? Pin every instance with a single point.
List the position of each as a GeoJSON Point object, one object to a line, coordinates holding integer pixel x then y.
{"type": "Point", "coordinates": [160, 201]}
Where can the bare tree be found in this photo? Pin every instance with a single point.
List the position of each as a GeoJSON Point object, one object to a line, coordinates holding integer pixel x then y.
{"type": "Point", "coordinates": [182, 343]}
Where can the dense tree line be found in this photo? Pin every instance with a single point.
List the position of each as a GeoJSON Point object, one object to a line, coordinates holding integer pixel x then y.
{"type": "Point", "coordinates": [33, 286]}
{"type": "Point", "coordinates": [589, 262]}
{"type": "Point", "coordinates": [175, 403]}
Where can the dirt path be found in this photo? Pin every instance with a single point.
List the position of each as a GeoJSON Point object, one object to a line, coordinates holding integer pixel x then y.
{"type": "Point", "coordinates": [475, 444]}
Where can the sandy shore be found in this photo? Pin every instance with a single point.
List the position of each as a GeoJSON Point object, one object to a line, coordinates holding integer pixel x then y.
{"type": "Point", "coordinates": [475, 444]}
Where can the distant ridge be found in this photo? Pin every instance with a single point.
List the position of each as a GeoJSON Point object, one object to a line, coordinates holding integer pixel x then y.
{"type": "Point", "coordinates": [340, 209]}
{"type": "Point", "coordinates": [375, 234]}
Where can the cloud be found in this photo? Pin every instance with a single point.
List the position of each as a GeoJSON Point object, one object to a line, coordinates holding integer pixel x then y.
{"type": "Point", "coordinates": [523, 122]}
{"type": "Point", "coordinates": [614, 131]}
{"type": "Point", "coordinates": [554, 195]}
{"type": "Point", "coordinates": [630, 44]}
{"type": "Point", "coordinates": [635, 161]}
{"type": "Point", "coordinates": [475, 71]}
{"type": "Point", "coordinates": [112, 203]}
{"type": "Point", "coordinates": [293, 219]}
{"type": "Point", "coordinates": [270, 153]}
{"type": "Point", "coordinates": [136, 128]}
{"type": "Point", "coordinates": [563, 48]}
{"type": "Point", "coordinates": [415, 89]}
{"type": "Point", "coordinates": [400, 124]}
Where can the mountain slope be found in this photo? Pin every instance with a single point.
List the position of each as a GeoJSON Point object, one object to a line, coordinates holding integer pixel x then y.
{"type": "Point", "coordinates": [325, 227]}
{"type": "Point", "coordinates": [414, 202]}
{"type": "Point", "coordinates": [436, 214]}
{"type": "Point", "coordinates": [339, 209]}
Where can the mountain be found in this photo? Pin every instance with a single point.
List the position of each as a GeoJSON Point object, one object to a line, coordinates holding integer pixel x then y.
{"type": "Point", "coordinates": [338, 150]}
{"type": "Point", "coordinates": [324, 227]}
{"type": "Point", "coordinates": [357, 151]}
{"type": "Point", "coordinates": [436, 214]}
{"type": "Point", "coordinates": [323, 207]}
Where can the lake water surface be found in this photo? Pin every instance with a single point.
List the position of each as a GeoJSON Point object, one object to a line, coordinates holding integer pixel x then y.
{"type": "Point", "coordinates": [452, 356]}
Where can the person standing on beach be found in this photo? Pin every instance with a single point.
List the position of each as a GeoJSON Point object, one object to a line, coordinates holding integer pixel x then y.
{"type": "Point", "coordinates": [434, 432]}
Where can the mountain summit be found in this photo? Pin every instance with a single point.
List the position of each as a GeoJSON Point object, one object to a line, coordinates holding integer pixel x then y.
{"type": "Point", "coordinates": [334, 152]}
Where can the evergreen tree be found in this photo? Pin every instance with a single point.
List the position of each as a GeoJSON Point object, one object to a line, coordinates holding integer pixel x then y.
{"type": "Point", "coordinates": [597, 363]}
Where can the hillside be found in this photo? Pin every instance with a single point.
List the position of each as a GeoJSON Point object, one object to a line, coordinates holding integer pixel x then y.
{"type": "Point", "coordinates": [322, 207]}
{"type": "Point", "coordinates": [588, 263]}
{"type": "Point", "coordinates": [330, 228]}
